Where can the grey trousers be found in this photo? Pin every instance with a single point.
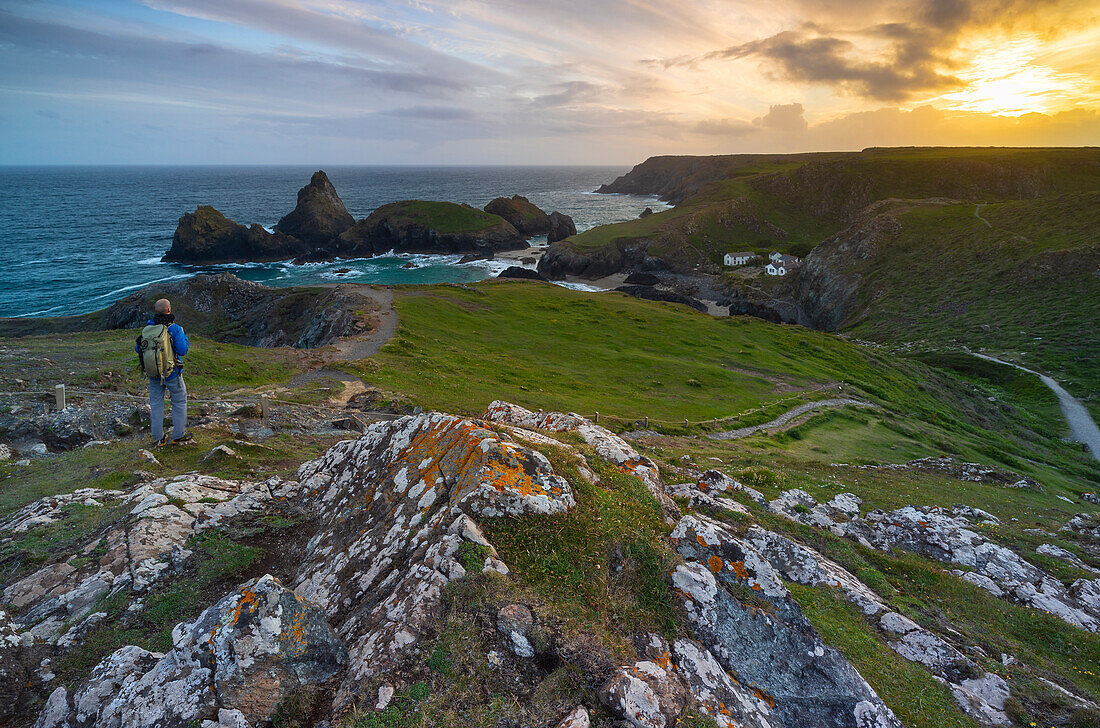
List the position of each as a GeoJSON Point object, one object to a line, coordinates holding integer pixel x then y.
{"type": "Point", "coordinates": [178, 391]}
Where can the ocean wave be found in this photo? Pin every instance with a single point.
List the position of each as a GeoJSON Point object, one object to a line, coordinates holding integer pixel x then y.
{"type": "Point", "coordinates": [579, 286]}
{"type": "Point", "coordinates": [155, 260]}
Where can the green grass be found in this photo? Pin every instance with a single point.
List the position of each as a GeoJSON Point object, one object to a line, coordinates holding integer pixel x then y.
{"type": "Point", "coordinates": [567, 558]}
{"type": "Point", "coordinates": [443, 217]}
{"type": "Point", "coordinates": [1023, 287]}
{"type": "Point", "coordinates": [908, 688]}
{"type": "Point", "coordinates": [105, 361]}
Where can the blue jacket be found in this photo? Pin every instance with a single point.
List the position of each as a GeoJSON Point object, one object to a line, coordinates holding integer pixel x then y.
{"type": "Point", "coordinates": [179, 345]}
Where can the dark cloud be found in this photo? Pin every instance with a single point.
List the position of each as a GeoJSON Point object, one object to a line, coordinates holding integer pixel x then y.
{"type": "Point", "coordinates": [887, 61]}
{"type": "Point", "coordinates": [801, 56]}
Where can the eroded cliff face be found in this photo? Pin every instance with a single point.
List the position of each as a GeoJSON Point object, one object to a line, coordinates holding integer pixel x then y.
{"type": "Point", "coordinates": [226, 308]}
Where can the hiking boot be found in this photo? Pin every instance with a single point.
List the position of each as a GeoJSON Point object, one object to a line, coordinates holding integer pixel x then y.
{"type": "Point", "coordinates": [185, 437]}
{"type": "Point", "coordinates": [163, 441]}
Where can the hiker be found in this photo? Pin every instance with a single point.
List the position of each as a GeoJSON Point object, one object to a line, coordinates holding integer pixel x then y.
{"type": "Point", "coordinates": [161, 347]}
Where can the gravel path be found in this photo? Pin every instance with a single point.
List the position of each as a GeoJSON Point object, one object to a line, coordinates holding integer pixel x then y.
{"type": "Point", "coordinates": [787, 417]}
{"type": "Point", "coordinates": [1081, 424]}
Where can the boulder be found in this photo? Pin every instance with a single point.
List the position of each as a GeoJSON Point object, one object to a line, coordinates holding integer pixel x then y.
{"type": "Point", "coordinates": [641, 279]}
{"type": "Point", "coordinates": [577, 718]}
{"type": "Point", "coordinates": [561, 227]}
{"type": "Point", "coordinates": [320, 216]}
{"type": "Point", "coordinates": [646, 212]}
{"type": "Point", "coordinates": [521, 213]}
{"type": "Point", "coordinates": [514, 271]}
{"type": "Point", "coordinates": [645, 694]}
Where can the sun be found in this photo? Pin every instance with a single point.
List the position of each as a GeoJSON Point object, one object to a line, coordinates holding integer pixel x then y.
{"type": "Point", "coordinates": [1004, 79]}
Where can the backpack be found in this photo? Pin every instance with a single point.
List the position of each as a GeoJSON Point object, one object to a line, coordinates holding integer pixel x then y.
{"type": "Point", "coordinates": [158, 357]}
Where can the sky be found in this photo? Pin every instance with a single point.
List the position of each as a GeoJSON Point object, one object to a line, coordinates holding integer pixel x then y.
{"type": "Point", "coordinates": [535, 81]}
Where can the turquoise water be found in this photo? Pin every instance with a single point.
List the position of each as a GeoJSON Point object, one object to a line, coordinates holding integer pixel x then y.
{"type": "Point", "coordinates": [75, 239]}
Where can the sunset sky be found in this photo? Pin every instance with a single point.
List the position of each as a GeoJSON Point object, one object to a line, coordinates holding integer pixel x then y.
{"type": "Point", "coordinates": [535, 82]}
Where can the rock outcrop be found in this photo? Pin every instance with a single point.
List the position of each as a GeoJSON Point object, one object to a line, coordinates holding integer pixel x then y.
{"type": "Point", "coordinates": [773, 647]}
{"type": "Point", "coordinates": [206, 236]}
{"type": "Point", "coordinates": [304, 317]}
{"type": "Point", "coordinates": [650, 293]}
{"type": "Point", "coordinates": [560, 227]}
{"type": "Point", "coordinates": [416, 226]}
{"type": "Point", "coordinates": [934, 533]}
{"type": "Point", "coordinates": [521, 213]}
{"type": "Point", "coordinates": [246, 654]}
{"type": "Point", "coordinates": [320, 215]}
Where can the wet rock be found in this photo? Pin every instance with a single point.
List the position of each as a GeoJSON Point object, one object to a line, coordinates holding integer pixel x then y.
{"type": "Point", "coordinates": [607, 444]}
{"type": "Point", "coordinates": [561, 227]}
{"type": "Point", "coordinates": [514, 271]}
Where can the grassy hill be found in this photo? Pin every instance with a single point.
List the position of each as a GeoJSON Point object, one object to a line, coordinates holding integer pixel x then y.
{"type": "Point", "coordinates": [459, 347]}
{"type": "Point", "coordinates": [985, 248]}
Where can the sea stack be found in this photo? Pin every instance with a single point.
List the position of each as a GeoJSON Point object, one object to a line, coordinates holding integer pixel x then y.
{"type": "Point", "coordinates": [320, 216]}
{"type": "Point", "coordinates": [524, 215]}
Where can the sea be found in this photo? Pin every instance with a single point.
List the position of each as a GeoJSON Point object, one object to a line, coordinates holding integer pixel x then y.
{"type": "Point", "coordinates": [76, 239]}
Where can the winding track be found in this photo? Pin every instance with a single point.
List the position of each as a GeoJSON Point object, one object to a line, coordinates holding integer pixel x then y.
{"type": "Point", "coordinates": [1081, 424]}
{"type": "Point", "coordinates": [786, 417]}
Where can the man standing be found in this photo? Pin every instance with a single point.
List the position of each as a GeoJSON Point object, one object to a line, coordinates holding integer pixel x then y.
{"type": "Point", "coordinates": [161, 348]}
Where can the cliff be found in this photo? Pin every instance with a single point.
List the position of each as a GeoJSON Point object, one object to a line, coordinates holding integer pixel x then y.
{"type": "Point", "coordinates": [206, 236]}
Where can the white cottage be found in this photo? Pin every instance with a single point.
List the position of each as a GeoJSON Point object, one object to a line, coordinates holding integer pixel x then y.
{"type": "Point", "coordinates": [737, 258]}
{"type": "Point", "coordinates": [775, 269]}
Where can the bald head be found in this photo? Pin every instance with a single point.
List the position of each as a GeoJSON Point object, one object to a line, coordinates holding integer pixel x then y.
{"type": "Point", "coordinates": [162, 306]}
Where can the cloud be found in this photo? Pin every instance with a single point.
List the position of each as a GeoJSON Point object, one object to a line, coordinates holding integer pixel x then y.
{"type": "Point", "coordinates": [805, 56]}
{"type": "Point", "coordinates": [724, 127]}
{"type": "Point", "coordinates": [783, 117]}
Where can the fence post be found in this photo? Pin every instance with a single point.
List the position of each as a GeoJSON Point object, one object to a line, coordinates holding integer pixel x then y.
{"type": "Point", "coordinates": [685, 422]}
{"type": "Point", "coordinates": [647, 421]}
{"type": "Point", "coordinates": [59, 395]}
{"type": "Point", "coordinates": [596, 418]}
{"type": "Point", "coordinates": [265, 407]}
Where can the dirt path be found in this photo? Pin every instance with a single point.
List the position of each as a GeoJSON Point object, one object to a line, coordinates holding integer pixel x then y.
{"type": "Point", "coordinates": [1081, 424]}
{"type": "Point", "coordinates": [786, 417]}
{"type": "Point", "coordinates": [364, 345]}
{"type": "Point", "coordinates": [977, 214]}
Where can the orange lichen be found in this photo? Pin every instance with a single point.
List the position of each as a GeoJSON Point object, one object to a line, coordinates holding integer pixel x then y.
{"type": "Point", "coordinates": [739, 569]}
{"type": "Point", "coordinates": [715, 564]}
